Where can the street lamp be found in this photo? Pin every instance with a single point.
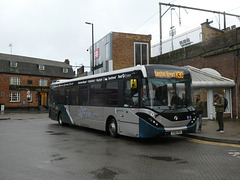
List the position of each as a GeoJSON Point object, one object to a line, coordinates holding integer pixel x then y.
{"type": "Point", "coordinates": [92, 45]}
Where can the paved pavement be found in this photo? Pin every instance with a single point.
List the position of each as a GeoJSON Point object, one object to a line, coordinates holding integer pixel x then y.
{"type": "Point", "coordinates": [33, 147]}
{"type": "Point", "coordinates": [231, 129]}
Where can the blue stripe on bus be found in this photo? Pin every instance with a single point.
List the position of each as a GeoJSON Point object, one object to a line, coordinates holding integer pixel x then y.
{"type": "Point", "coordinates": [65, 117]}
{"type": "Point", "coordinates": [146, 130]}
{"type": "Point", "coordinates": [192, 128]}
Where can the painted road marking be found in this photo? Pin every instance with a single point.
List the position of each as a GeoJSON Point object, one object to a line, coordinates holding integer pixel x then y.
{"type": "Point", "coordinates": [213, 143]}
{"type": "Point", "coordinates": [234, 153]}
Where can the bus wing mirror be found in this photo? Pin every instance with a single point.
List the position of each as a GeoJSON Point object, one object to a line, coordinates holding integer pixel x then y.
{"type": "Point", "coordinates": [133, 83]}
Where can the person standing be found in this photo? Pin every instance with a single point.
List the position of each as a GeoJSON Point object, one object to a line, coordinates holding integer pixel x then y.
{"type": "Point", "coordinates": [199, 110]}
{"type": "Point", "coordinates": [219, 108]}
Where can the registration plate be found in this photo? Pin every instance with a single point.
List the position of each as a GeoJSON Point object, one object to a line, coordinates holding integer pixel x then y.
{"type": "Point", "coordinates": [176, 132]}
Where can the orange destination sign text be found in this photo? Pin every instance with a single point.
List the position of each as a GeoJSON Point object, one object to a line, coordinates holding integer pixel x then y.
{"type": "Point", "coordinates": [169, 74]}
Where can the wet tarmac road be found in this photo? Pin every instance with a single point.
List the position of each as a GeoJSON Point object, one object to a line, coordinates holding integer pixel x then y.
{"type": "Point", "coordinates": [34, 147]}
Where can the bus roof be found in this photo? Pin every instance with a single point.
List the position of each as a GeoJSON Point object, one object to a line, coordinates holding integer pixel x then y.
{"type": "Point", "coordinates": [142, 68]}
{"type": "Point", "coordinates": [138, 67]}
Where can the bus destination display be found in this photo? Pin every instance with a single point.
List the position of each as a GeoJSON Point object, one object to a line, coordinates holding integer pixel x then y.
{"type": "Point", "coordinates": [168, 74]}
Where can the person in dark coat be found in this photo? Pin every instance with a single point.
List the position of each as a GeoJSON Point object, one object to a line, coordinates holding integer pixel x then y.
{"type": "Point", "coordinates": [219, 108]}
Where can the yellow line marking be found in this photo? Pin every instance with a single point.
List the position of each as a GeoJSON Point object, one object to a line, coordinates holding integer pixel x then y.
{"type": "Point", "coordinates": [213, 143]}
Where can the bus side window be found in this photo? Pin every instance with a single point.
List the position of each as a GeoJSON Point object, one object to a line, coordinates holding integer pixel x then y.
{"type": "Point", "coordinates": [61, 99]}
{"type": "Point", "coordinates": [83, 95]}
{"type": "Point", "coordinates": [67, 97]}
{"type": "Point", "coordinates": [127, 93]}
{"type": "Point", "coordinates": [74, 95]}
{"type": "Point", "coordinates": [54, 96]}
{"type": "Point", "coordinates": [112, 93]}
{"type": "Point", "coordinates": [97, 94]}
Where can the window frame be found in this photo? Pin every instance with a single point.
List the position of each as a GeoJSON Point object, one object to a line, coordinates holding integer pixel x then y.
{"type": "Point", "coordinates": [141, 52]}
{"type": "Point", "coordinates": [13, 64]}
{"type": "Point", "coordinates": [14, 80]}
{"type": "Point", "coordinates": [41, 67]}
{"type": "Point", "coordinates": [45, 82]}
{"type": "Point", "coordinates": [11, 97]}
{"type": "Point", "coordinates": [30, 82]}
{"type": "Point", "coordinates": [65, 70]}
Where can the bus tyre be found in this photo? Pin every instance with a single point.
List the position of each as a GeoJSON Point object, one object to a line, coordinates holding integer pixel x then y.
{"type": "Point", "coordinates": [112, 128]}
{"type": "Point", "coordinates": [60, 122]}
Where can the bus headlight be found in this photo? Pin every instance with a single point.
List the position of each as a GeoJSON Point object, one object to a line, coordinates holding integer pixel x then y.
{"type": "Point", "coordinates": [193, 120]}
{"type": "Point", "coordinates": [149, 119]}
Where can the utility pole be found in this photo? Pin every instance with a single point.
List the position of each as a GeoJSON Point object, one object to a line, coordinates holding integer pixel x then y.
{"type": "Point", "coordinates": [92, 45]}
{"type": "Point", "coordinates": [160, 26]}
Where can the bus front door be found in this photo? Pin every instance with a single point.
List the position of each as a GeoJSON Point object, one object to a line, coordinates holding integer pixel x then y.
{"type": "Point", "coordinates": [128, 122]}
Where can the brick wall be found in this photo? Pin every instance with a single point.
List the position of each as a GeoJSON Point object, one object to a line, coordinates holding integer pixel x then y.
{"type": "Point", "coordinates": [208, 32]}
{"type": "Point", "coordinates": [123, 48]}
{"type": "Point", "coordinates": [5, 90]}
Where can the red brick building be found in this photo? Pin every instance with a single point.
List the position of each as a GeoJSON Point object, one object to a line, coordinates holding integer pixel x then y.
{"type": "Point", "coordinates": [120, 50]}
{"type": "Point", "coordinates": [25, 81]}
{"type": "Point", "coordinates": [219, 50]}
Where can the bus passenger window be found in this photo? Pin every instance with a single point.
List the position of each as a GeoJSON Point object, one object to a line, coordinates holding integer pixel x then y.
{"type": "Point", "coordinates": [83, 96]}
{"type": "Point", "coordinates": [112, 93]}
{"type": "Point", "coordinates": [61, 99]}
{"type": "Point", "coordinates": [74, 95]}
{"type": "Point", "coordinates": [97, 94]}
{"type": "Point", "coordinates": [127, 94]}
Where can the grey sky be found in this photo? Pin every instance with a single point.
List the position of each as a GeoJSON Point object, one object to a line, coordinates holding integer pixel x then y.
{"type": "Point", "coordinates": [56, 29]}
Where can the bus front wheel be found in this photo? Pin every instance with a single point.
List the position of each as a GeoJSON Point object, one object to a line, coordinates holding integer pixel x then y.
{"type": "Point", "coordinates": [112, 127]}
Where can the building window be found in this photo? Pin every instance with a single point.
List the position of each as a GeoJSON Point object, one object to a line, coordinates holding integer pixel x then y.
{"type": "Point", "coordinates": [65, 70]}
{"type": "Point", "coordinates": [13, 64]}
{"type": "Point", "coordinates": [42, 82]}
{"type": "Point", "coordinates": [14, 97]}
{"type": "Point", "coordinates": [141, 53]}
{"type": "Point", "coordinates": [14, 81]}
{"type": "Point", "coordinates": [108, 65]}
{"type": "Point", "coordinates": [107, 48]}
{"type": "Point", "coordinates": [29, 82]}
{"type": "Point", "coordinates": [41, 67]}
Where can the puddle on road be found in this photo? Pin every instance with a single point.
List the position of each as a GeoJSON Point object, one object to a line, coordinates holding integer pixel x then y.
{"type": "Point", "coordinates": [104, 173]}
{"type": "Point", "coordinates": [57, 157]}
{"type": "Point", "coordinates": [59, 133]}
{"type": "Point", "coordinates": [54, 133]}
{"type": "Point", "coordinates": [166, 158]}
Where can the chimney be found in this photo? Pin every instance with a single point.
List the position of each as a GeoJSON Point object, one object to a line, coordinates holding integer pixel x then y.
{"type": "Point", "coordinates": [67, 61]}
{"type": "Point", "coordinates": [209, 32]}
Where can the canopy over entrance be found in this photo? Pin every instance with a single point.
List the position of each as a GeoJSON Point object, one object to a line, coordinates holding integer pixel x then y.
{"type": "Point", "coordinates": [208, 78]}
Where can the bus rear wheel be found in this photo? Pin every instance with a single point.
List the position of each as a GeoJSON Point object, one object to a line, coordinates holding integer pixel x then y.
{"type": "Point", "coordinates": [112, 127]}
